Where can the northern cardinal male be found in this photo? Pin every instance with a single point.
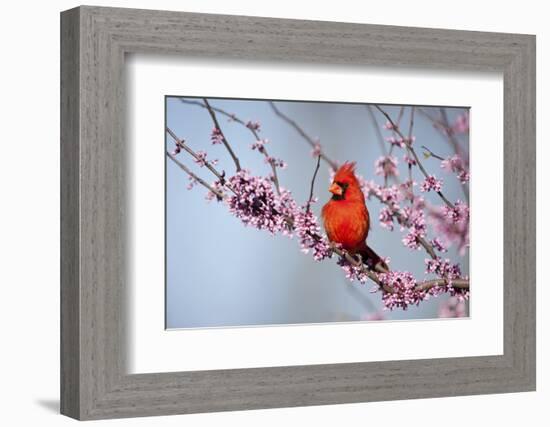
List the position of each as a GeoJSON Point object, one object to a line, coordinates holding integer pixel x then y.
{"type": "Point", "coordinates": [346, 217]}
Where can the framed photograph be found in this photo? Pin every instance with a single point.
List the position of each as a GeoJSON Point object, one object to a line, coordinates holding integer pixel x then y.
{"type": "Point", "coordinates": [261, 213]}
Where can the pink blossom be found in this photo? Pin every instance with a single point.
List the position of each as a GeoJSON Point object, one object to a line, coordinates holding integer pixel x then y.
{"type": "Point", "coordinates": [386, 166]}
{"type": "Point", "coordinates": [407, 189]}
{"type": "Point", "coordinates": [201, 158]}
{"type": "Point", "coordinates": [255, 126]}
{"type": "Point", "coordinates": [259, 144]}
{"type": "Point", "coordinates": [399, 142]}
{"type": "Point", "coordinates": [409, 160]}
{"type": "Point", "coordinates": [255, 203]}
{"type": "Point", "coordinates": [453, 164]}
{"type": "Point", "coordinates": [453, 224]}
{"type": "Point", "coordinates": [216, 185]}
{"type": "Point", "coordinates": [309, 233]}
{"type": "Point", "coordinates": [414, 222]}
{"type": "Point", "coordinates": [431, 183]}
{"type": "Point", "coordinates": [438, 245]}
{"type": "Point", "coordinates": [403, 290]}
{"type": "Point", "coordinates": [452, 307]}
{"type": "Point", "coordinates": [192, 183]}
{"type": "Point", "coordinates": [462, 123]}
{"type": "Point", "coordinates": [456, 165]}
{"type": "Point", "coordinates": [352, 271]}
{"type": "Point", "coordinates": [386, 218]}
{"type": "Point", "coordinates": [216, 136]}
{"type": "Point", "coordinates": [463, 176]}
{"type": "Point", "coordinates": [316, 152]}
{"type": "Point", "coordinates": [443, 268]}
{"type": "Point", "coordinates": [278, 163]}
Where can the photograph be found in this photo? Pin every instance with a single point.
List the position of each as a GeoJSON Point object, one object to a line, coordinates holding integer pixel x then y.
{"type": "Point", "coordinates": [286, 212]}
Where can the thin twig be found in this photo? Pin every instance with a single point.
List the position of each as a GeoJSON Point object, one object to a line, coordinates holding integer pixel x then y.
{"type": "Point", "coordinates": [464, 186]}
{"type": "Point", "coordinates": [432, 153]}
{"type": "Point", "coordinates": [413, 152]}
{"type": "Point", "coordinates": [308, 206]}
{"type": "Point", "coordinates": [378, 131]}
{"type": "Point", "coordinates": [197, 178]}
{"type": "Point", "coordinates": [411, 126]}
{"type": "Point", "coordinates": [236, 119]}
{"type": "Point", "coordinates": [181, 143]}
{"type": "Point", "coordinates": [446, 131]}
{"type": "Point", "coordinates": [309, 139]}
{"type": "Point", "coordinates": [224, 140]}
{"type": "Point", "coordinates": [450, 133]}
{"type": "Point", "coordinates": [404, 222]}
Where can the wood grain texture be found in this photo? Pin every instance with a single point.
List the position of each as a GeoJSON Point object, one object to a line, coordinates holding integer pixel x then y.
{"type": "Point", "coordinates": [94, 382]}
{"type": "Point", "coordinates": [70, 292]}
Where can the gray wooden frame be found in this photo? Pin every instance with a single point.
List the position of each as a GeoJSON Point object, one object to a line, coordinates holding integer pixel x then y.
{"type": "Point", "coordinates": [94, 41]}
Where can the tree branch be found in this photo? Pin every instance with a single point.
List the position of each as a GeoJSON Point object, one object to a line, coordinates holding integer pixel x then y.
{"type": "Point", "coordinates": [201, 181]}
{"type": "Point", "coordinates": [313, 183]}
{"type": "Point", "coordinates": [413, 152]}
{"type": "Point", "coordinates": [432, 153]}
{"type": "Point", "coordinates": [236, 119]}
{"type": "Point", "coordinates": [304, 135]}
{"type": "Point", "coordinates": [181, 143]}
{"type": "Point", "coordinates": [456, 283]}
{"type": "Point", "coordinates": [447, 132]}
{"type": "Point", "coordinates": [376, 127]}
{"type": "Point", "coordinates": [224, 140]}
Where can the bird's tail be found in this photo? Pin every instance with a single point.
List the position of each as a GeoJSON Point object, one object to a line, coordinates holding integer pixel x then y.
{"type": "Point", "coordinates": [372, 259]}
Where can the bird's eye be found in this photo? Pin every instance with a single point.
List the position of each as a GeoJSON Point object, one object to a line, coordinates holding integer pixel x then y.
{"type": "Point", "coordinates": [343, 185]}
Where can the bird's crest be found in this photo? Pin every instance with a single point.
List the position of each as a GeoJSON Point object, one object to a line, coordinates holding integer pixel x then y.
{"type": "Point", "coordinates": [346, 172]}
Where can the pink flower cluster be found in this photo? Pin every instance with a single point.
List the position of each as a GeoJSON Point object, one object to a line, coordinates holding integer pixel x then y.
{"type": "Point", "coordinates": [255, 126]}
{"type": "Point", "coordinates": [431, 183]}
{"type": "Point", "coordinates": [353, 272]}
{"type": "Point", "coordinates": [259, 144]}
{"type": "Point", "coordinates": [400, 142]}
{"type": "Point", "coordinates": [278, 163]}
{"type": "Point", "coordinates": [453, 224]}
{"type": "Point", "coordinates": [444, 269]}
{"type": "Point", "coordinates": [456, 165]}
{"type": "Point", "coordinates": [404, 292]}
{"type": "Point", "coordinates": [453, 307]}
{"type": "Point", "coordinates": [316, 148]}
{"type": "Point", "coordinates": [309, 233]}
{"type": "Point", "coordinates": [462, 123]}
{"type": "Point", "coordinates": [255, 203]}
{"type": "Point", "coordinates": [404, 289]}
{"type": "Point", "coordinates": [201, 159]}
{"type": "Point", "coordinates": [386, 166]}
{"type": "Point", "coordinates": [216, 136]}
{"type": "Point", "coordinates": [216, 185]}
{"type": "Point", "coordinates": [416, 222]}
{"type": "Point", "coordinates": [177, 150]}
{"type": "Point", "coordinates": [409, 160]}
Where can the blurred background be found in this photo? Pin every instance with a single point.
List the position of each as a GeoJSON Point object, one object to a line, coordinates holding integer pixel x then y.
{"type": "Point", "coordinates": [220, 273]}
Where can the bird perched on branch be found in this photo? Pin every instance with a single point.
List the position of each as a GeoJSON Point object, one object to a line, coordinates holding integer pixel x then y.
{"type": "Point", "coordinates": [346, 217]}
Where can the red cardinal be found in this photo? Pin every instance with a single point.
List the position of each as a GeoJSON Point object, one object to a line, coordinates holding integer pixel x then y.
{"type": "Point", "coordinates": [346, 216]}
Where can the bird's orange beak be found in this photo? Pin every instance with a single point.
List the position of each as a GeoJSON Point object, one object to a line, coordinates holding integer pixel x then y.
{"type": "Point", "coordinates": [336, 189]}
